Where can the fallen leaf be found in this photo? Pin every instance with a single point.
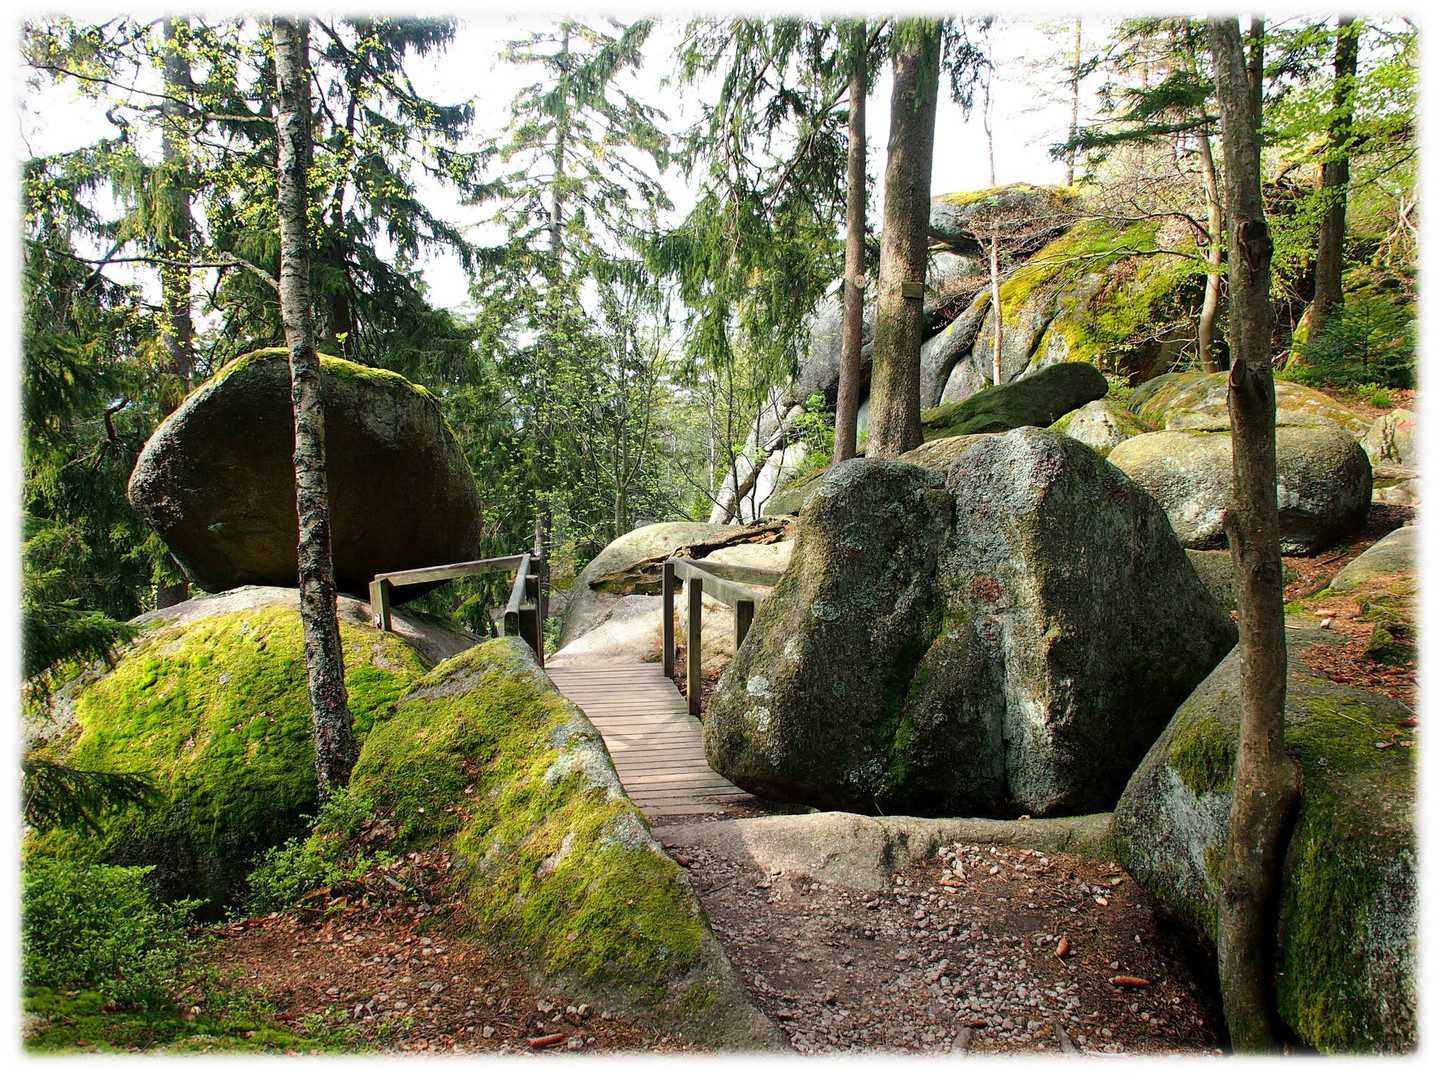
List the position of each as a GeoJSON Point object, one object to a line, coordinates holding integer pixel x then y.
{"type": "Point", "coordinates": [1063, 949]}
{"type": "Point", "coordinates": [1132, 981]}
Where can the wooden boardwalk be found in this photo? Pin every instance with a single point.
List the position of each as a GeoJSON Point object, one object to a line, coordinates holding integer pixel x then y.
{"type": "Point", "coordinates": [658, 748]}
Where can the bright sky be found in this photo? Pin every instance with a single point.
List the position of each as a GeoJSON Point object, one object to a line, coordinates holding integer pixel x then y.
{"type": "Point", "coordinates": [1028, 107]}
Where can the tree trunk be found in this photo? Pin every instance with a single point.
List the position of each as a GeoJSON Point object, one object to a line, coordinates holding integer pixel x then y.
{"type": "Point", "coordinates": [847, 404]}
{"type": "Point", "coordinates": [177, 331]}
{"type": "Point", "coordinates": [335, 751]}
{"type": "Point", "coordinates": [1211, 304]}
{"type": "Point", "coordinates": [904, 247]}
{"type": "Point", "coordinates": [1266, 780]}
{"type": "Point", "coordinates": [1074, 109]}
{"type": "Point", "coordinates": [995, 306]}
{"type": "Point", "coordinates": [1335, 179]}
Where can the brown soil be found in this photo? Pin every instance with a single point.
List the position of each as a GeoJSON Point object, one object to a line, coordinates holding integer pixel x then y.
{"type": "Point", "coordinates": [385, 966]}
{"type": "Point", "coordinates": [960, 955]}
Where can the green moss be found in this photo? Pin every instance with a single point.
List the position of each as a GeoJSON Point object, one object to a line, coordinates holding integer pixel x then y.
{"type": "Point", "coordinates": [1352, 827]}
{"type": "Point", "coordinates": [217, 712]}
{"type": "Point", "coordinates": [969, 198]}
{"type": "Point", "coordinates": [487, 756]}
{"type": "Point", "coordinates": [332, 365]}
{"type": "Point", "coordinates": [1203, 753]}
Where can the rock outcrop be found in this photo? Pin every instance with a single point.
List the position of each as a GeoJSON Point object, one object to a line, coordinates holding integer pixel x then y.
{"type": "Point", "coordinates": [217, 482]}
{"type": "Point", "coordinates": [1323, 482]}
{"type": "Point", "coordinates": [1345, 964]}
{"type": "Point", "coordinates": [1009, 634]}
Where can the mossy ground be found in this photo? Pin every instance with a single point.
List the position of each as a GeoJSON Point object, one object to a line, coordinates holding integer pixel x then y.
{"type": "Point", "coordinates": [485, 756]}
{"type": "Point", "coordinates": [217, 712]}
{"type": "Point", "coordinates": [86, 1023]}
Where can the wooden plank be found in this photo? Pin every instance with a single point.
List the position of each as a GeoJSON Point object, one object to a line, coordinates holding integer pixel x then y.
{"type": "Point", "coordinates": [449, 570]}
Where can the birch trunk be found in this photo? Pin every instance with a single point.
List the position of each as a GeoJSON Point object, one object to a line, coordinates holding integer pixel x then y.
{"type": "Point", "coordinates": [335, 750]}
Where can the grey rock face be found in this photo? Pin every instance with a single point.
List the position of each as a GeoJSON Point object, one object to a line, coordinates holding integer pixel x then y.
{"type": "Point", "coordinates": [1101, 425]}
{"type": "Point", "coordinates": [1392, 440]}
{"type": "Point", "coordinates": [1392, 554]}
{"type": "Point", "coordinates": [1322, 484]}
{"type": "Point", "coordinates": [1030, 668]}
{"type": "Point", "coordinates": [951, 216]}
{"type": "Point", "coordinates": [1345, 963]}
{"type": "Point", "coordinates": [217, 482]}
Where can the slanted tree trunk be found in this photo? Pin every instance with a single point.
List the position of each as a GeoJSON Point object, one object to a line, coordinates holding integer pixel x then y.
{"type": "Point", "coordinates": [335, 751]}
{"type": "Point", "coordinates": [1266, 780]}
{"type": "Point", "coordinates": [904, 246]}
{"type": "Point", "coordinates": [1335, 179]}
{"type": "Point", "coordinates": [1210, 306]}
{"type": "Point", "coordinates": [177, 228]}
{"type": "Point", "coordinates": [847, 404]}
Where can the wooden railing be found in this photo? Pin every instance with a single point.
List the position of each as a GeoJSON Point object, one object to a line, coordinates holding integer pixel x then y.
{"type": "Point", "coordinates": [525, 611]}
{"type": "Point", "coordinates": [726, 584]}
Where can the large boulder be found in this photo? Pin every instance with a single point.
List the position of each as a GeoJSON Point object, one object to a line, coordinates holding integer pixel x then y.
{"type": "Point", "coordinates": [1393, 553]}
{"type": "Point", "coordinates": [1101, 425]}
{"type": "Point", "coordinates": [1198, 401]}
{"type": "Point", "coordinates": [1322, 482]}
{"type": "Point", "coordinates": [1010, 634]}
{"type": "Point", "coordinates": [210, 701]}
{"type": "Point", "coordinates": [1037, 401]}
{"type": "Point", "coordinates": [217, 481]}
{"type": "Point", "coordinates": [486, 760]}
{"type": "Point", "coordinates": [1344, 966]}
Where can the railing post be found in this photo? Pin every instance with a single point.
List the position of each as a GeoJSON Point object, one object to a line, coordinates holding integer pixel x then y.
{"type": "Point", "coordinates": [536, 637]}
{"type": "Point", "coordinates": [667, 617]}
{"type": "Point", "coordinates": [694, 605]}
{"type": "Point", "coordinates": [744, 616]}
{"type": "Point", "coordinates": [380, 603]}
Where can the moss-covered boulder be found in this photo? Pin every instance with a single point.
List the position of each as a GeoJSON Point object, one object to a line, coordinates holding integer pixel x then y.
{"type": "Point", "coordinates": [1038, 401]}
{"type": "Point", "coordinates": [1101, 425]}
{"type": "Point", "coordinates": [1010, 634]}
{"type": "Point", "coordinates": [487, 759]}
{"type": "Point", "coordinates": [1322, 482]}
{"type": "Point", "coordinates": [1345, 959]}
{"type": "Point", "coordinates": [1197, 401]}
{"type": "Point", "coordinates": [215, 709]}
{"type": "Point", "coordinates": [217, 481]}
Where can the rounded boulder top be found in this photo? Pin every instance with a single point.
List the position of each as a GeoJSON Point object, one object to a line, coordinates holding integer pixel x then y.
{"type": "Point", "coordinates": [216, 480]}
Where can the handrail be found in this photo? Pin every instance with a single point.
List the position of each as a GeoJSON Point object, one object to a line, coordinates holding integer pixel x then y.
{"type": "Point", "coordinates": [705, 576]}
{"type": "Point", "coordinates": [524, 615]}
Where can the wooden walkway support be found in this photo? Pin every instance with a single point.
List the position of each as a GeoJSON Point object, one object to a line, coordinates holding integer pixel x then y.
{"type": "Point", "coordinates": [727, 584]}
{"type": "Point", "coordinates": [658, 749]}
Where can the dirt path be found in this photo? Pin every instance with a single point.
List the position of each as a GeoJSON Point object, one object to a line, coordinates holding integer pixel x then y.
{"type": "Point", "coordinates": [959, 956]}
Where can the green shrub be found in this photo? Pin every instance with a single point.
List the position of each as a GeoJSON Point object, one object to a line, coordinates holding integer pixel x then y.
{"type": "Point", "coordinates": [323, 857]}
{"type": "Point", "coordinates": [1372, 343]}
{"type": "Point", "coordinates": [96, 927]}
